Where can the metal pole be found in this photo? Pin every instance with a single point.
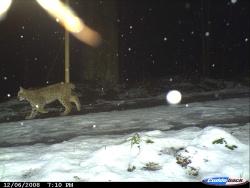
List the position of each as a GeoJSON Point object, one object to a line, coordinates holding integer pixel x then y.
{"type": "Point", "coordinates": [67, 54]}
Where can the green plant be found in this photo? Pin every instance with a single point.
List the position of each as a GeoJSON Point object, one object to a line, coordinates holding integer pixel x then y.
{"type": "Point", "coordinates": [148, 141]}
{"type": "Point", "coordinates": [193, 171]}
{"type": "Point", "coordinates": [182, 160]}
{"type": "Point", "coordinates": [131, 168]}
{"type": "Point", "coordinates": [219, 141]}
{"type": "Point", "coordinates": [136, 139]}
{"type": "Point", "coordinates": [152, 166]}
{"type": "Point", "coordinates": [77, 178]}
{"type": "Point", "coordinates": [232, 147]}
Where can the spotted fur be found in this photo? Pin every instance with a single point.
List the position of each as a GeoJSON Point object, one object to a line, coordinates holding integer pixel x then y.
{"type": "Point", "coordinates": [38, 98]}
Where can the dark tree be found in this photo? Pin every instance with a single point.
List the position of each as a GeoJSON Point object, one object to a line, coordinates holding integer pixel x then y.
{"type": "Point", "coordinates": [101, 63]}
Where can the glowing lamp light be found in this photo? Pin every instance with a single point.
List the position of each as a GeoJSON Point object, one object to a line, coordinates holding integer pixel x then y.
{"type": "Point", "coordinates": [63, 14]}
{"type": "Point", "coordinates": [66, 17]}
{"type": "Point", "coordinates": [4, 6]}
{"type": "Point", "coordinates": [173, 97]}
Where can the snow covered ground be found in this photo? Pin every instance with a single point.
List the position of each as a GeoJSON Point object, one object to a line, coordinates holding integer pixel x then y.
{"type": "Point", "coordinates": [186, 142]}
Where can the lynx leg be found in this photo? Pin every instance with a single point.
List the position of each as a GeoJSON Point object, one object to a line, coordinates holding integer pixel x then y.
{"type": "Point", "coordinates": [75, 99]}
{"type": "Point", "coordinates": [67, 106]}
{"type": "Point", "coordinates": [42, 110]}
{"type": "Point", "coordinates": [32, 114]}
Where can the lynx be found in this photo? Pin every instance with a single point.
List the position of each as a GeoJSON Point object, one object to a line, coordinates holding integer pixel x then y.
{"type": "Point", "coordinates": [38, 98]}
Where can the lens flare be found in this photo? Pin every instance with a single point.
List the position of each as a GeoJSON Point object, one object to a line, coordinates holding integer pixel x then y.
{"type": "Point", "coordinates": [173, 97]}
{"type": "Point", "coordinates": [4, 6]}
{"type": "Point", "coordinates": [66, 17]}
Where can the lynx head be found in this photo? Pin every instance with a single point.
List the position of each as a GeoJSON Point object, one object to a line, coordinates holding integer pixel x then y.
{"type": "Point", "coordinates": [21, 94]}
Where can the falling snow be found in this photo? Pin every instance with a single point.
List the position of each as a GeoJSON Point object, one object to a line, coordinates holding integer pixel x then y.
{"type": "Point", "coordinates": [207, 34]}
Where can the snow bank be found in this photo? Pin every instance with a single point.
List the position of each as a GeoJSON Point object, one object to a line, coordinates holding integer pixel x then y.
{"type": "Point", "coordinates": [186, 155]}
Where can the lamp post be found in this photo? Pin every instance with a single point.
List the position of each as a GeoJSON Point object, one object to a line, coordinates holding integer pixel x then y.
{"type": "Point", "coordinates": [69, 20]}
{"type": "Point", "coordinates": [67, 54]}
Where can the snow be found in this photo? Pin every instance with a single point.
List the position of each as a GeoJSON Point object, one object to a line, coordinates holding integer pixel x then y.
{"type": "Point", "coordinates": [163, 143]}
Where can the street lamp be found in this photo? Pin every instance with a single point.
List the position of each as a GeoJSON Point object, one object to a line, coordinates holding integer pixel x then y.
{"type": "Point", "coordinates": [4, 6]}
{"type": "Point", "coordinates": [65, 16]}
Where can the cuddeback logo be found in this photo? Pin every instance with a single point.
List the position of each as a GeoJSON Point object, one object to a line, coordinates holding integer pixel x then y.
{"type": "Point", "coordinates": [224, 181]}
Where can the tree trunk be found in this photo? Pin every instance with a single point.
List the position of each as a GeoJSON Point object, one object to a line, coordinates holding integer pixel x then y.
{"type": "Point", "coordinates": [205, 27]}
{"type": "Point", "coordinates": [101, 63]}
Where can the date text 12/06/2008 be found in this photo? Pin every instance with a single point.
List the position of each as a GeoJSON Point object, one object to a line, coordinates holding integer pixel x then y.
{"type": "Point", "coordinates": [37, 184]}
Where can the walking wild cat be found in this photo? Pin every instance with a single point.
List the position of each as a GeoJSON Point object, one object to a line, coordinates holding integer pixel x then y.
{"type": "Point", "coordinates": [38, 98]}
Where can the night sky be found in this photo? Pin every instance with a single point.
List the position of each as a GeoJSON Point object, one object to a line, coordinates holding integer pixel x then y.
{"type": "Point", "coordinates": [157, 38]}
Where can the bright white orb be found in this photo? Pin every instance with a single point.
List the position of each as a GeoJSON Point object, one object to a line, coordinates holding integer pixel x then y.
{"type": "Point", "coordinates": [173, 97]}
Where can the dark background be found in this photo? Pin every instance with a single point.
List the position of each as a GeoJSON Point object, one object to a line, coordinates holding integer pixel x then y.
{"type": "Point", "coordinates": [156, 38]}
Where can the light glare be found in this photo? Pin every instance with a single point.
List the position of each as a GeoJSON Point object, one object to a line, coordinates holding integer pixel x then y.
{"type": "Point", "coordinates": [66, 16]}
{"type": "Point", "coordinates": [173, 97]}
{"type": "Point", "coordinates": [63, 13]}
{"type": "Point", "coordinates": [4, 6]}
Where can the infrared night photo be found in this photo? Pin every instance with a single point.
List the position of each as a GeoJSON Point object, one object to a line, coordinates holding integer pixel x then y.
{"type": "Point", "coordinates": [124, 91]}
